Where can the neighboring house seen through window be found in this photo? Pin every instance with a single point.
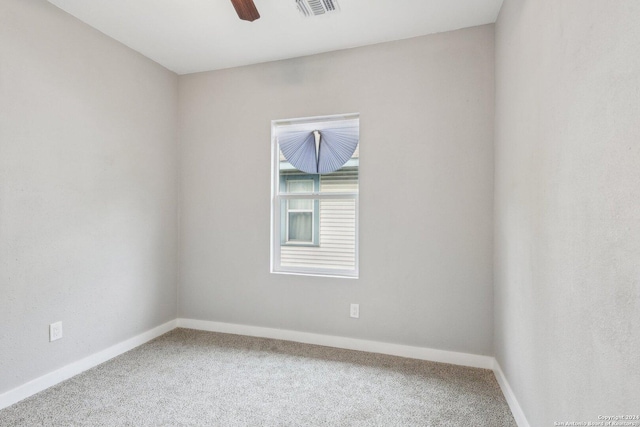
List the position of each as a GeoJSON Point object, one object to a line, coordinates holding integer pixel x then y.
{"type": "Point", "coordinates": [315, 196]}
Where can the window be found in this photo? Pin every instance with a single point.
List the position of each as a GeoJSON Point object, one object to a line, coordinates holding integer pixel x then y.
{"type": "Point", "coordinates": [302, 220]}
{"type": "Point", "coordinates": [300, 213]}
{"type": "Point", "coordinates": [315, 168]}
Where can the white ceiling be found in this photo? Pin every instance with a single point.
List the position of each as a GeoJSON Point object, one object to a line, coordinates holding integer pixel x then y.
{"type": "Point", "coordinates": [188, 36]}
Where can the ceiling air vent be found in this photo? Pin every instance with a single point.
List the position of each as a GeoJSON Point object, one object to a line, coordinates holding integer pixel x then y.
{"type": "Point", "coordinates": [317, 7]}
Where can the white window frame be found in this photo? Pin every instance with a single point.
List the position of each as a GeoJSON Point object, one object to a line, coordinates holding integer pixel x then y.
{"type": "Point", "coordinates": [278, 196]}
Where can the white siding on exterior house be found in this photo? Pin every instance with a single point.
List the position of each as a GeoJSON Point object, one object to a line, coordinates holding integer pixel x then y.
{"type": "Point", "coordinates": [337, 246]}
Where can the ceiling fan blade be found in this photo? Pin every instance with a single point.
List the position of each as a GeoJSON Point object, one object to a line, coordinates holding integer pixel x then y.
{"type": "Point", "coordinates": [246, 9]}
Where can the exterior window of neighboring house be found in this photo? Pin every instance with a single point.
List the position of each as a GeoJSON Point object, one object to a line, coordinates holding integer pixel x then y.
{"type": "Point", "coordinates": [315, 168]}
{"type": "Point", "coordinates": [302, 219]}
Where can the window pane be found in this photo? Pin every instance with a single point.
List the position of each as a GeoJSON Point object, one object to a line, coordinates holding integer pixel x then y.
{"type": "Point", "coordinates": [305, 186]}
{"type": "Point", "coordinates": [301, 225]}
{"type": "Point", "coordinates": [344, 180]}
{"type": "Point", "coordinates": [300, 186]}
{"type": "Point", "coordinates": [305, 205]}
{"type": "Point", "coordinates": [335, 248]}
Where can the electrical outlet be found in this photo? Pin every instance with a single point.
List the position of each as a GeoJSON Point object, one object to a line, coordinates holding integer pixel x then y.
{"type": "Point", "coordinates": [355, 310]}
{"type": "Point", "coordinates": [55, 331]}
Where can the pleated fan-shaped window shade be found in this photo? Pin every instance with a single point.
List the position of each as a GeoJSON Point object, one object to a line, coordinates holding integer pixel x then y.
{"type": "Point", "coordinates": [319, 148]}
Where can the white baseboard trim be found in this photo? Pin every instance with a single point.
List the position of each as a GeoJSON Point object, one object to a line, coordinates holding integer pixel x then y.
{"type": "Point", "coordinates": [422, 353]}
{"type": "Point", "coordinates": [464, 359]}
{"type": "Point", "coordinates": [516, 410]}
{"type": "Point", "coordinates": [34, 386]}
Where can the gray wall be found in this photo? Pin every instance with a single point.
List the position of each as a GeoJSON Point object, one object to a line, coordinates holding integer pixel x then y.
{"type": "Point", "coordinates": [426, 183]}
{"type": "Point", "coordinates": [88, 190]}
{"type": "Point", "coordinates": [567, 210]}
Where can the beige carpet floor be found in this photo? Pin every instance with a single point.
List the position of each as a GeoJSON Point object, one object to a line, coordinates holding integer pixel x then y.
{"type": "Point", "coordinates": [195, 378]}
